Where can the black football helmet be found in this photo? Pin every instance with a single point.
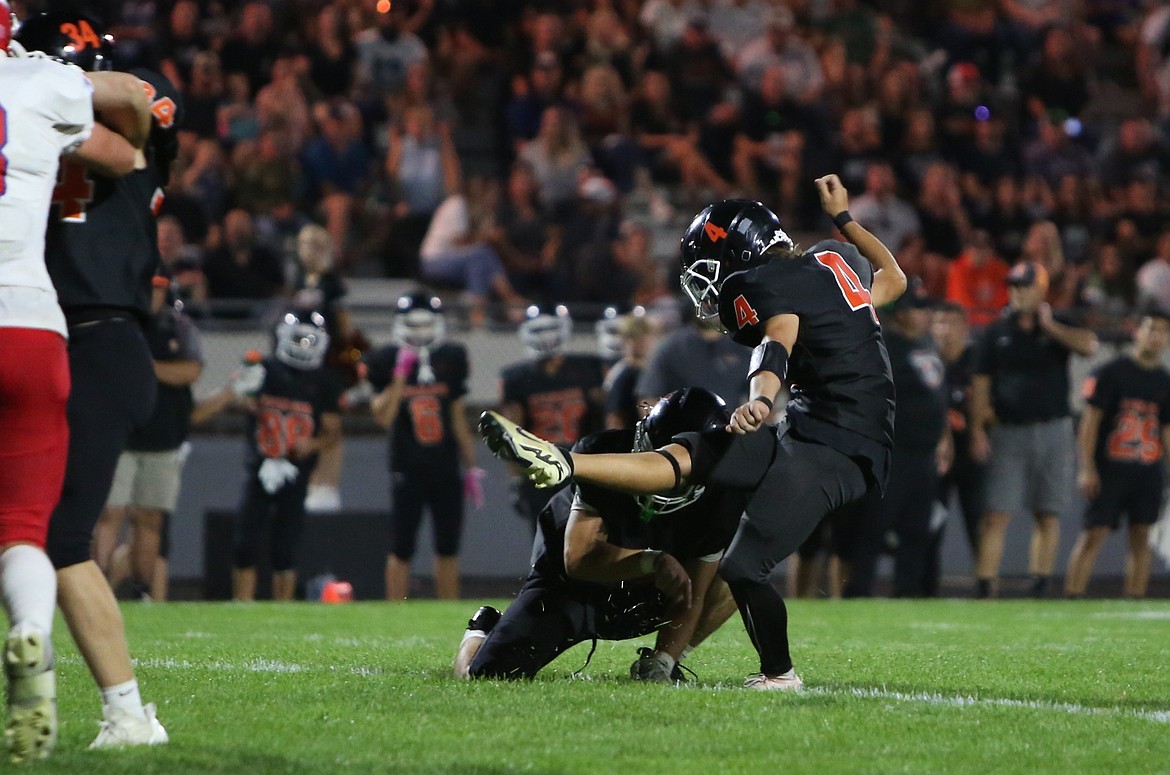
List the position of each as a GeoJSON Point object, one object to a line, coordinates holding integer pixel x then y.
{"type": "Point", "coordinates": [74, 38]}
{"type": "Point", "coordinates": [725, 238]}
{"type": "Point", "coordinates": [546, 330]}
{"type": "Point", "coordinates": [690, 409]}
{"type": "Point", "coordinates": [419, 321]}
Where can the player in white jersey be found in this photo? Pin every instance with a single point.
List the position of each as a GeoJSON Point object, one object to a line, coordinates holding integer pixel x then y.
{"type": "Point", "coordinates": [46, 109]}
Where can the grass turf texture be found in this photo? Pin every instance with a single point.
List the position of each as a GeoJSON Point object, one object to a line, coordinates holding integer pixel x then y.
{"type": "Point", "coordinates": [893, 686]}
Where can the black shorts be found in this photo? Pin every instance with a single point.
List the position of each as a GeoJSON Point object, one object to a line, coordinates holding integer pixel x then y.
{"type": "Point", "coordinates": [550, 616]}
{"type": "Point", "coordinates": [286, 509]}
{"type": "Point", "coordinates": [1136, 493]}
{"type": "Point", "coordinates": [411, 492]}
{"type": "Point", "coordinates": [794, 483]}
{"type": "Point", "coordinates": [113, 393]}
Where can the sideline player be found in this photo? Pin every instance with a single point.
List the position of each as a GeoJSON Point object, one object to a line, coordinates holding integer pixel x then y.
{"type": "Point", "coordinates": [810, 318]}
{"type": "Point", "coordinates": [557, 394]}
{"type": "Point", "coordinates": [609, 566]}
{"type": "Point", "coordinates": [1122, 442]}
{"type": "Point", "coordinates": [293, 400]}
{"type": "Point", "coordinates": [101, 251]}
{"type": "Point", "coordinates": [46, 110]}
{"type": "Point", "coordinates": [422, 380]}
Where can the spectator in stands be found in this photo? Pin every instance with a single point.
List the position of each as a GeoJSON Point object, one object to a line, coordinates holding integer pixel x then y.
{"type": "Point", "coordinates": [1153, 279]}
{"type": "Point", "coordinates": [337, 168]}
{"type": "Point", "coordinates": [1059, 82]}
{"type": "Point", "coordinates": [386, 51]}
{"type": "Point", "coordinates": [532, 96]}
{"type": "Point", "coordinates": [1137, 152]}
{"type": "Point", "coordinates": [455, 252]}
{"type": "Point", "coordinates": [236, 116]}
{"type": "Point", "coordinates": [781, 45]}
{"type": "Point", "coordinates": [699, 75]}
{"type": "Point", "coordinates": [1008, 219]}
{"type": "Point", "coordinates": [557, 156]}
{"type": "Point", "coordinates": [666, 20]}
{"type": "Point", "coordinates": [1055, 154]}
{"type": "Point", "coordinates": [253, 47]}
{"type": "Point", "coordinates": [1123, 437]}
{"type": "Point", "coordinates": [1108, 292]}
{"type": "Point", "coordinates": [890, 219]}
{"type": "Point", "coordinates": [331, 54]}
{"type": "Point", "coordinates": [943, 223]}
{"type": "Point", "coordinates": [240, 269]}
{"type": "Point", "coordinates": [182, 42]}
{"type": "Point", "coordinates": [735, 23]}
{"type": "Point", "coordinates": [281, 103]}
{"type": "Point", "coordinates": [423, 167]}
{"type": "Point", "coordinates": [670, 149]}
{"type": "Point", "coordinates": [528, 245]}
{"type": "Point", "coordinates": [977, 280]}
{"type": "Point", "coordinates": [1021, 425]}
{"type": "Point", "coordinates": [771, 125]}
{"type": "Point", "coordinates": [202, 97]}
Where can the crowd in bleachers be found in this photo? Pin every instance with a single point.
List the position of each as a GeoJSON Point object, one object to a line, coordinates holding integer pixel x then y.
{"type": "Point", "coordinates": [509, 148]}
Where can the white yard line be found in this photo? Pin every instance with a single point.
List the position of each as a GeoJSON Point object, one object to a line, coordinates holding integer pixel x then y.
{"type": "Point", "coordinates": [925, 698]}
{"type": "Point", "coordinates": [865, 693]}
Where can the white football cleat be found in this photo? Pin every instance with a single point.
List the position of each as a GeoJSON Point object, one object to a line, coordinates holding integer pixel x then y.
{"type": "Point", "coordinates": [546, 464]}
{"type": "Point", "coordinates": [32, 694]}
{"type": "Point", "coordinates": [121, 729]}
{"type": "Point", "coordinates": [788, 682]}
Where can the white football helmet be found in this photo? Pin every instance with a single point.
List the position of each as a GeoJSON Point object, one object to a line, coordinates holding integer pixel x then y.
{"type": "Point", "coordinates": [419, 321]}
{"type": "Point", "coordinates": [301, 340]}
{"type": "Point", "coordinates": [547, 331]}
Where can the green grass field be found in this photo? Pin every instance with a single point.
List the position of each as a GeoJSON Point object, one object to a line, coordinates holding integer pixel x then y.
{"type": "Point", "coordinates": [923, 687]}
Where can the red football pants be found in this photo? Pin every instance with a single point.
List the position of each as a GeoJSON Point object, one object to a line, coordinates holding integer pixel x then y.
{"type": "Point", "coordinates": [34, 434]}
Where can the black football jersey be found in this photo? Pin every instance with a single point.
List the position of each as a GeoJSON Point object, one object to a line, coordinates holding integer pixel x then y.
{"type": "Point", "coordinates": [289, 406]}
{"type": "Point", "coordinates": [1135, 404]}
{"type": "Point", "coordinates": [701, 529]}
{"type": "Point", "coordinates": [421, 437]}
{"type": "Point", "coordinates": [561, 407]}
{"type": "Point", "coordinates": [839, 378]}
{"type": "Point", "coordinates": [101, 244]}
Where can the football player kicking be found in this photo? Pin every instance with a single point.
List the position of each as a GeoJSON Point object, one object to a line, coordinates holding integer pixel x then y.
{"type": "Point", "coordinates": [809, 317]}
{"type": "Point", "coordinates": [612, 566]}
{"type": "Point", "coordinates": [47, 109]}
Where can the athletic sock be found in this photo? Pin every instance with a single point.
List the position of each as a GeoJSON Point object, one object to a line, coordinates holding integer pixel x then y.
{"type": "Point", "coordinates": [1039, 586]}
{"type": "Point", "coordinates": [124, 697]}
{"type": "Point", "coordinates": [29, 586]}
{"type": "Point", "coordinates": [983, 588]}
{"type": "Point", "coordinates": [666, 660]}
{"type": "Point", "coordinates": [765, 617]}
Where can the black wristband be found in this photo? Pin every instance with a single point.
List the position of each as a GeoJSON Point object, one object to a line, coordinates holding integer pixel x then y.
{"type": "Point", "coordinates": [673, 464]}
{"type": "Point", "coordinates": [842, 218]}
{"type": "Point", "coordinates": [765, 401]}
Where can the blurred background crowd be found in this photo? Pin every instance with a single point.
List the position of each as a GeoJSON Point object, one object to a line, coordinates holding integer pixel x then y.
{"type": "Point", "coordinates": [537, 141]}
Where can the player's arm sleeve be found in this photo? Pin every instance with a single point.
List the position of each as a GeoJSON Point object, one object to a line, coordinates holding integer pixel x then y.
{"type": "Point", "coordinates": [69, 106]}
{"type": "Point", "coordinates": [1099, 389]}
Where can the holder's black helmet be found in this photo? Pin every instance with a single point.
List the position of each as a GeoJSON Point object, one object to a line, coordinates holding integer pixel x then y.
{"type": "Point", "coordinates": [725, 238]}
{"type": "Point", "coordinates": [690, 409]}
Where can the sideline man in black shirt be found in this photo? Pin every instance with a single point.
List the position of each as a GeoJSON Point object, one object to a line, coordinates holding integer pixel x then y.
{"type": "Point", "coordinates": [1020, 423]}
{"type": "Point", "coordinates": [1124, 433]}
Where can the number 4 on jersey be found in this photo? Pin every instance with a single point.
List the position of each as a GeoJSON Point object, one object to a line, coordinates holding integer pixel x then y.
{"type": "Point", "coordinates": [745, 314]}
{"type": "Point", "coordinates": [855, 293]}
